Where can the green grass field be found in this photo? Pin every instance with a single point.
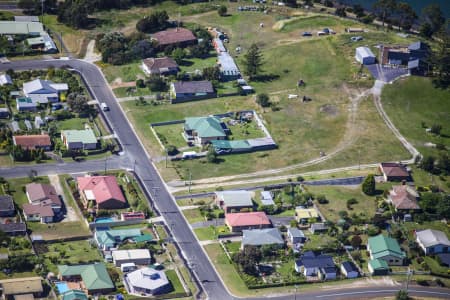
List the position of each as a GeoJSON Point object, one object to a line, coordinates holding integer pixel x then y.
{"type": "Point", "coordinates": [337, 197]}
{"type": "Point", "coordinates": [210, 233]}
{"type": "Point", "coordinates": [75, 252]}
{"type": "Point", "coordinates": [316, 23]}
{"type": "Point", "coordinates": [414, 100]}
{"type": "Point", "coordinates": [193, 215]}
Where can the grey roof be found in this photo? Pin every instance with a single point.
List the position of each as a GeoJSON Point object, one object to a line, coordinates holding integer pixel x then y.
{"type": "Point", "coordinates": [418, 46]}
{"type": "Point", "coordinates": [6, 202]}
{"type": "Point", "coordinates": [147, 278]}
{"type": "Point", "coordinates": [39, 86]}
{"type": "Point", "coordinates": [5, 79]}
{"type": "Point", "coordinates": [319, 261]}
{"type": "Point", "coordinates": [227, 65]}
{"type": "Point", "coordinates": [431, 237]}
{"type": "Point", "coordinates": [192, 87]}
{"type": "Point", "coordinates": [295, 232]}
{"type": "Point", "coordinates": [11, 27]}
{"type": "Point", "coordinates": [25, 102]}
{"type": "Point", "coordinates": [364, 52]}
{"type": "Point", "coordinates": [258, 237]}
{"type": "Point", "coordinates": [318, 226]}
{"type": "Point", "coordinates": [14, 126]}
{"type": "Point", "coordinates": [266, 198]}
{"type": "Point", "coordinates": [235, 198]}
{"type": "Point", "coordinates": [13, 227]}
{"type": "Point", "coordinates": [26, 18]}
{"type": "Point", "coordinates": [412, 64]}
{"type": "Point", "coordinates": [349, 266]}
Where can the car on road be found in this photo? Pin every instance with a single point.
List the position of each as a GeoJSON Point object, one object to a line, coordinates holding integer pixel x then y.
{"type": "Point", "coordinates": [104, 106]}
{"type": "Point", "coordinates": [306, 33]}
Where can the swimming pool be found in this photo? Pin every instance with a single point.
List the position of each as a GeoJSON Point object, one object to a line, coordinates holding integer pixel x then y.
{"type": "Point", "coordinates": [62, 287]}
{"type": "Point", "coordinates": [104, 220]}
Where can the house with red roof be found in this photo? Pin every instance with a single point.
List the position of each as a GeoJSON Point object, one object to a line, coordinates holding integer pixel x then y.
{"type": "Point", "coordinates": [404, 197]}
{"type": "Point", "coordinates": [103, 191]}
{"type": "Point", "coordinates": [33, 141]}
{"type": "Point", "coordinates": [394, 172]}
{"type": "Point", "coordinates": [251, 220]}
{"type": "Point", "coordinates": [180, 37]}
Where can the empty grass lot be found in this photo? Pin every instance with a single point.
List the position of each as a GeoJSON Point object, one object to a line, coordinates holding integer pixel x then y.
{"type": "Point", "coordinates": [338, 196]}
{"type": "Point", "coordinates": [414, 100]}
{"type": "Point", "coordinates": [210, 233]}
{"type": "Point", "coordinates": [193, 215]}
{"type": "Point", "coordinates": [59, 231]}
{"type": "Point", "coordinates": [75, 252]}
{"type": "Point", "coordinates": [126, 73]}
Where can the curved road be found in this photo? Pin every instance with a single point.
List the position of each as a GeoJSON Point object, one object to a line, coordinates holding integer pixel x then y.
{"type": "Point", "coordinates": [135, 154]}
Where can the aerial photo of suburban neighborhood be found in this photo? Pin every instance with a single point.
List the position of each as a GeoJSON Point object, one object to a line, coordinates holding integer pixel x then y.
{"type": "Point", "coordinates": [240, 149]}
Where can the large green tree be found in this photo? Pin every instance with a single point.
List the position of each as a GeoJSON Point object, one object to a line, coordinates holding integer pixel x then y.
{"type": "Point", "coordinates": [368, 186]}
{"type": "Point", "coordinates": [433, 20]}
{"type": "Point", "coordinates": [384, 9]}
{"type": "Point", "coordinates": [253, 61]}
{"type": "Point", "coordinates": [406, 15]}
{"type": "Point", "coordinates": [77, 102]}
{"type": "Point", "coordinates": [440, 59]}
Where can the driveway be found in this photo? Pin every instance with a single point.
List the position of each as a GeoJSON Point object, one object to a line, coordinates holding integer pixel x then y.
{"type": "Point", "coordinates": [71, 215]}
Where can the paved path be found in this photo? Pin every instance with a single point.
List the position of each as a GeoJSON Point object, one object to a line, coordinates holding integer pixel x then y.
{"type": "Point", "coordinates": [71, 215]}
{"type": "Point", "coordinates": [91, 56]}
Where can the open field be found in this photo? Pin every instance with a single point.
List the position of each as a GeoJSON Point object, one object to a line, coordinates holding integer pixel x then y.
{"type": "Point", "coordinates": [414, 100]}
{"type": "Point", "coordinates": [193, 215]}
{"type": "Point", "coordinates": [338, 196]}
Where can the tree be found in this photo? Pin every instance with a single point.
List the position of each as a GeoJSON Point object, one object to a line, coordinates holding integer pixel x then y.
{"type": "Point", "coordinates": [211, 155]}
{"type": "Point", "coordinates": [263, 100]}
{"type": "Point", "coordinates": [427, 163]}
{"type": "Point", "coordinates": [211, 73]}
{"type": "Point", "coordinates": [406, 15]}
{"type": "Point", "coordinates": [222, 10]}
{"type": "Point", "coordinates": [73, 13]}
{"type": "Point", "coordinates": [248, 258]}
{"type": "Point", "coordinates": [178, 55]}
{"type": "Point", "coordinates": [434, 17]}
{"type": "Point", "coordinates": [440, 59]}
{"type": "Point", "coordinates": [358, 10]}
{"type": "Point", "coordinates": [436, 129]}
{"type": "Point", "coordinates": [253, 61]}
{"type": "Point", "coordinates": [156, 83]}
{"type": "Point", "coordinates": [172, 150]}
{"type": "Point", "coordinates": [156, 21]}
{"type": "Point", "coordinates": [402, 295]}
{"type": "Point", "coordinates": [340, 11]}
{"type": "Point", "coordinates": [384, 9]}
{"type": "Point", "coordinates": [368, 186]}
{"type": "Point", "coordinates": [426, 30]}
{"type": "Point", "coordinates": [356, 241]}
{"type": "Point", "coordinates": [77, 102]}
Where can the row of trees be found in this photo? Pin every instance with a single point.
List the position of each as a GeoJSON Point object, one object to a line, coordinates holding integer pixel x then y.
{"type": "Point", "coordinates": [21, 154]}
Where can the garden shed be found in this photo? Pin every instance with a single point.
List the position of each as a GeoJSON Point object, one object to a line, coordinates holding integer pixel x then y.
{"type": "Point", "coordinates": [365, 56]}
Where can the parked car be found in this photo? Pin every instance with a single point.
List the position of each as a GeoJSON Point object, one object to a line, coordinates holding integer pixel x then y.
{"type": "Point", "coordinates": [56, 106]}
{"type": "Point", "coordinates": [356, 38]}
{"type": "Point", "coordinates": [306, 33]}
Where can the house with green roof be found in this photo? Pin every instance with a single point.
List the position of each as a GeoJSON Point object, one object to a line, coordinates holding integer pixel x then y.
{"type": "Point", "coordinates": [74, 295]}
{"type": "Point", "coordinates": [79, 139]}
{"type": "Point", "coordinates": [107, 239]}
{"type": "Point", "coordinates": [202, 130]}
{"type": "Point", "coordinates": [386, 248]}
{"type": "Point", "coordinates": [378, 267]}
{"type": "Point", "coordinates": [94, 277]}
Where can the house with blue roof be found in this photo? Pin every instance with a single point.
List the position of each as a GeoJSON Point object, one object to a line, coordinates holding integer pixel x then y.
{"type": "Point", "coordinates": [319, 265]}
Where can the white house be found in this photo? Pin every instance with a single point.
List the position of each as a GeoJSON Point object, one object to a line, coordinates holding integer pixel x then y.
{"type": "Point", "coordinates": [5, 79]}
{"type": "Point", "coordinates": [349, 270]}
{"type": "Point", "coordinates": [135, 256]}
{"type": "Point", "coordinates": [44, 91]}
{"type": "Point", "coordinates": [433, 241]}
{"type": "Point", "coordinates": [147, 281]}
{"type": "Point", "coordinates": [365, 56]}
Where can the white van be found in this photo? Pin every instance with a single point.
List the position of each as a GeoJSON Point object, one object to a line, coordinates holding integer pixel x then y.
{"type": "Point", "coordinates": [104, 106]}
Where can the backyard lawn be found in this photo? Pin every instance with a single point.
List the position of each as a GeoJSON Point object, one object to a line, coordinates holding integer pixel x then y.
{"type": "Point", "coordinates": [414, 104]}
{"type": "Point", "coordinates": [59, 231]}
{"type": "Point", "coordinates": [74, 252]}
{"type": "Point", "coordinates": [338, 196]}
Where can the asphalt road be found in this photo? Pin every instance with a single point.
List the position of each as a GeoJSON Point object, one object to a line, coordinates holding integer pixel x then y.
{"type": "Point", "coordinates": [163, 200]}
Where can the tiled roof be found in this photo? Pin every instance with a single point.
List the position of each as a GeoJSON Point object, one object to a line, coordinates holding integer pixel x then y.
{"type": "Point", "coordinates": [394, 169]}
{"type": "Point", "coordinates": [44, 193]}
{"type": "Point", "coordinates": [32, 141]}
{"type": "Point", "coordinates": [103, 188]}
{"type": "Point", "coordinates": [155, 64]}
{"type": "Point", "coordinates": [174, 36]}
{"type": "Point", "coordinates": [41, 210]}
{"type": "Point", "coordinates": [247, 219]}
{"type": "Point", "coordinates": [404, 197]}
{"type": "Point", "coordinates": [6, 202]}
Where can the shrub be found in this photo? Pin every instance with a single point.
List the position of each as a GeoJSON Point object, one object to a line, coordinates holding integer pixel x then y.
{"type": "Point", "coordinates": [368, 186]}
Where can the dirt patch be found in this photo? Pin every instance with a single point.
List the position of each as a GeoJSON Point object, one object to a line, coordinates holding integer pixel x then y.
{"type": "Point", "coordinates": [329, 109]}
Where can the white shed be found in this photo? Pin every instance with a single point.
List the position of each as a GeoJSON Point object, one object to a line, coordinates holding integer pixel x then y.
{"type": "Point", "coordinates": [365, 56]}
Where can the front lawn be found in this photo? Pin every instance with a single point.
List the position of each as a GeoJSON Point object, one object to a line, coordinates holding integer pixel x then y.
{"type": "Point", "coordinates": [193, 215]}
{"type": "Point", "coordinates": [210, 233]}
